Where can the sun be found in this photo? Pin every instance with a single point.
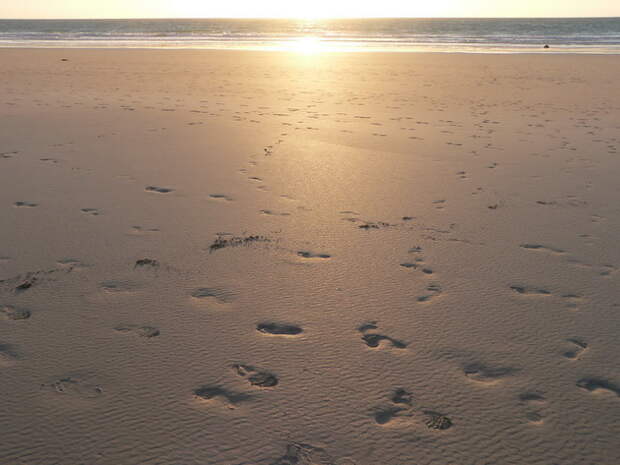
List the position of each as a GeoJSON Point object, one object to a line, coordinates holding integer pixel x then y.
{"type": "Point", "coordinates": [307, 45]}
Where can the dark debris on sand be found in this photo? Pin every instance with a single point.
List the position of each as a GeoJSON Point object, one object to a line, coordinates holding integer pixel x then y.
{"type": "Point", "coordinates": [223, 242]}
{"type": "Point", "coordinates": [146, 262]}
{"type": "Point", "coordinates": [437, 421]}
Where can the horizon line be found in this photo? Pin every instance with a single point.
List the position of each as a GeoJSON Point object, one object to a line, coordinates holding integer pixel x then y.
{"type": "Point", "coordinates": [305, 19]}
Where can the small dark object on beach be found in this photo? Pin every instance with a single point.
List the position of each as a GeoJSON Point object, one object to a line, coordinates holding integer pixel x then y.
{"type": "Point", "coordinates": [437, 421]}
{"type": "Point", "coordinates": [64, 59]}
{"type": "Point", "coordinates": [221, 242]}
{"type": "Point", "coordinates": [146, 262]}
{"type": "Point", "coordinates": [546, 46]}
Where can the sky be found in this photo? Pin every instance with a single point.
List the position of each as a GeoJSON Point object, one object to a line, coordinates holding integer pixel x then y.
{"type": "Point", "coordinates": [304, 9]}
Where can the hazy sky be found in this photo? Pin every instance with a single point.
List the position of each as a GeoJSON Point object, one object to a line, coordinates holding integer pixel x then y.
{"type": "Point", "coordinates": [310, 8]}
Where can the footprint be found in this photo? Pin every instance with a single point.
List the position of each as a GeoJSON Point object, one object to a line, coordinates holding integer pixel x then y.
{"type": "Point", "coordinates": [213, 295]}
{"type": "Point", "coordinates": [533, 403]}
{"type": "Point", "coordinates": [26, 204]}
{"type": "Point", "coordinates": [12, 313]}
{"type": "Point", "coordinates": [279, 329]}
{"type": "Point", "coordinates": [434, 289]}
{"type": "Point", "coordinates": [487, 375]}
{"type": "Point", "coordinates": [26, 283]}
{"type": "Point", "coordinates": [215, 394]}
{"type": "Point", "coordinates": [599, 384]}
{"type": "Point", "coordinates": [70, 264]}
{"type": "Point", "coordinates": [28, 280]}
{"type": "Point", "coordinates": [159, 190]}
{"type": "Point", "coordinates": [140, 231]}
{"type": "Point", "coordinates": [572, 300]}
{"type": "Point", "coordinates": [142, 331]}
{"type": "Point", "coordinates": [401, 396]}
{"type": "Point", "coordinates": [8, 356]}
{"type": "Point", "coordinates": [272, 213]}
{"type": "Point", "coordinates": [307, 454]}
{"type": "Point", "coordinates": [78, 386]}
{"type": "Point", "coordinates": [221, 197]}
{"type": "Point", "coordinates": [118, 287]}
{"type": "Point", "coordinates": [223, 241]}
{"type": "Point", "coordinates": [91, 211]}
{"type": "Point", "coordinates": [375, 340]}
{"type": "Point", "coordinates": [367, 225]}
{"type": "Point", "coordinates": [146, 262]}
{"type": "Point", "coordinates": [543, 248]}
{"type": "Point", "coordinates": [387, 415]}
{"type": "Point", "coordinates": [311, 255]}
{"type": "Point", "coordinates": [578, 347]}
{"type": "Point", "coordinates": [529, 290]}
{"type": "Point", "coordinates": [256, 377]}
{"type": "Point", "coordinates": [402, 409]}
{"type": "Point", "coordinates": [436, 420]}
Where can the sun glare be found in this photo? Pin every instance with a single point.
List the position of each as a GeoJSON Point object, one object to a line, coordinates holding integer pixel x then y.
{"type": "Point", "coordinates": [307, 45]}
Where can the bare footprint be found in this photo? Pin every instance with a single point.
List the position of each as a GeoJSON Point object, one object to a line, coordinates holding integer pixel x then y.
{"type": "Point", "coordinates": [118, 287]}
{"type": "Point", "coordinates": [307, 454]}
{"type": "Point", "coordinates": [542, 248]}
{"type": "Point", "coordinates": [484, 374]}
{"type": "Point", "coordinates": [525, 290]}
{"type": "Point", "coordinates": [8, 355]}
{"type": "Point", "coordinates": [213, 295]}
{"type": "Point", "coordinates": [91, 211]}
{"type": "Point", "coordinates": [388, 415]}
{"type": "Point", "coordinates": [76, 385]}
{"type": "Point", "coordinates": [158, 190]}
{"type": "Point", "coordinates": [375, 340]}
{"type": "Point", "coordinates": [146, 263]}
{"type": "Point", "coordinates": [595, 385]}
{"type": "Point", "coordinates": [12, 313]}
{"type": "Point", "coordinates": [219, 395]}
{"type": "Point", "coordinates": [26, 204]}
{"type": "Point", "coordinates": [142, 331]}
{"type": "Point", "coordinates": [256, 377]}
{"type": "Point", "coordinates": [221, 197]}
{"type": "Point", "coordinates": [313, 255]}
{"type": "Point", "coordinates": [578, 347]}
{"type": "Point", "coordinates": [534, 403]}
{"type": "Point", "coordinates": [279, 329]}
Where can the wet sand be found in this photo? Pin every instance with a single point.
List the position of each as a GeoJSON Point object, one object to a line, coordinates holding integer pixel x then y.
{"type": "Point", "coordinates": [241, 258]}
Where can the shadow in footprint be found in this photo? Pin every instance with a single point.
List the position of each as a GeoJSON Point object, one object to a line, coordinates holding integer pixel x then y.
{"type": "Point", "coordinates": [158, 190]}
{"type": "Point", "coordinates": [375, 340]}
{"type": "Point", "coordinates": [256, 377]}
{"type": "Point", "coordinates": [279, 329]}
{"type": "Point", "coordinates": [487, 375]}
{"type": "Point", "coordinates": [142, 331]}
{"type": "Point", "coordinates": [218, 394]}
{"type": "Point", "coordinates": [599, 384]}
{"type": "Point", "coordinates": [12, 313]}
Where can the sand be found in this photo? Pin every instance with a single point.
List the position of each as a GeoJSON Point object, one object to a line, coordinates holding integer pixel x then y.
{"type": "Point", "coordinates": [241, 258]}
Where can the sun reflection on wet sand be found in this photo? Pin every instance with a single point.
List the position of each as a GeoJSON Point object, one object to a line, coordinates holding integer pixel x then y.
{"type": "Point", "coordinates": [307, 45]}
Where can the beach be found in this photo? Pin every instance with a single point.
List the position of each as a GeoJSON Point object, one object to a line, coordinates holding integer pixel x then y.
{"type": "Point", "coordinates": [278, 258]}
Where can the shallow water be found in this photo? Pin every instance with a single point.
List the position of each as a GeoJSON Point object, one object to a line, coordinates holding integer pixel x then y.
{"type": "Point", "coordinates": [587, 35]}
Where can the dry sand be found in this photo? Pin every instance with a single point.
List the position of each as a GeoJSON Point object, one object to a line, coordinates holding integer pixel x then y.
{"type": "Point", "coordinates": [241, 258]}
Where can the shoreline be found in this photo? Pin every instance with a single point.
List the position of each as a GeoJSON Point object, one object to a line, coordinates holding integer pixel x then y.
{"type": "Point", "coordinates": [321, 52]}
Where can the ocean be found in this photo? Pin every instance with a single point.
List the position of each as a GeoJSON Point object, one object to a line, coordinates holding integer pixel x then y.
{"type": "Point", "coordinates": [583, 35]}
